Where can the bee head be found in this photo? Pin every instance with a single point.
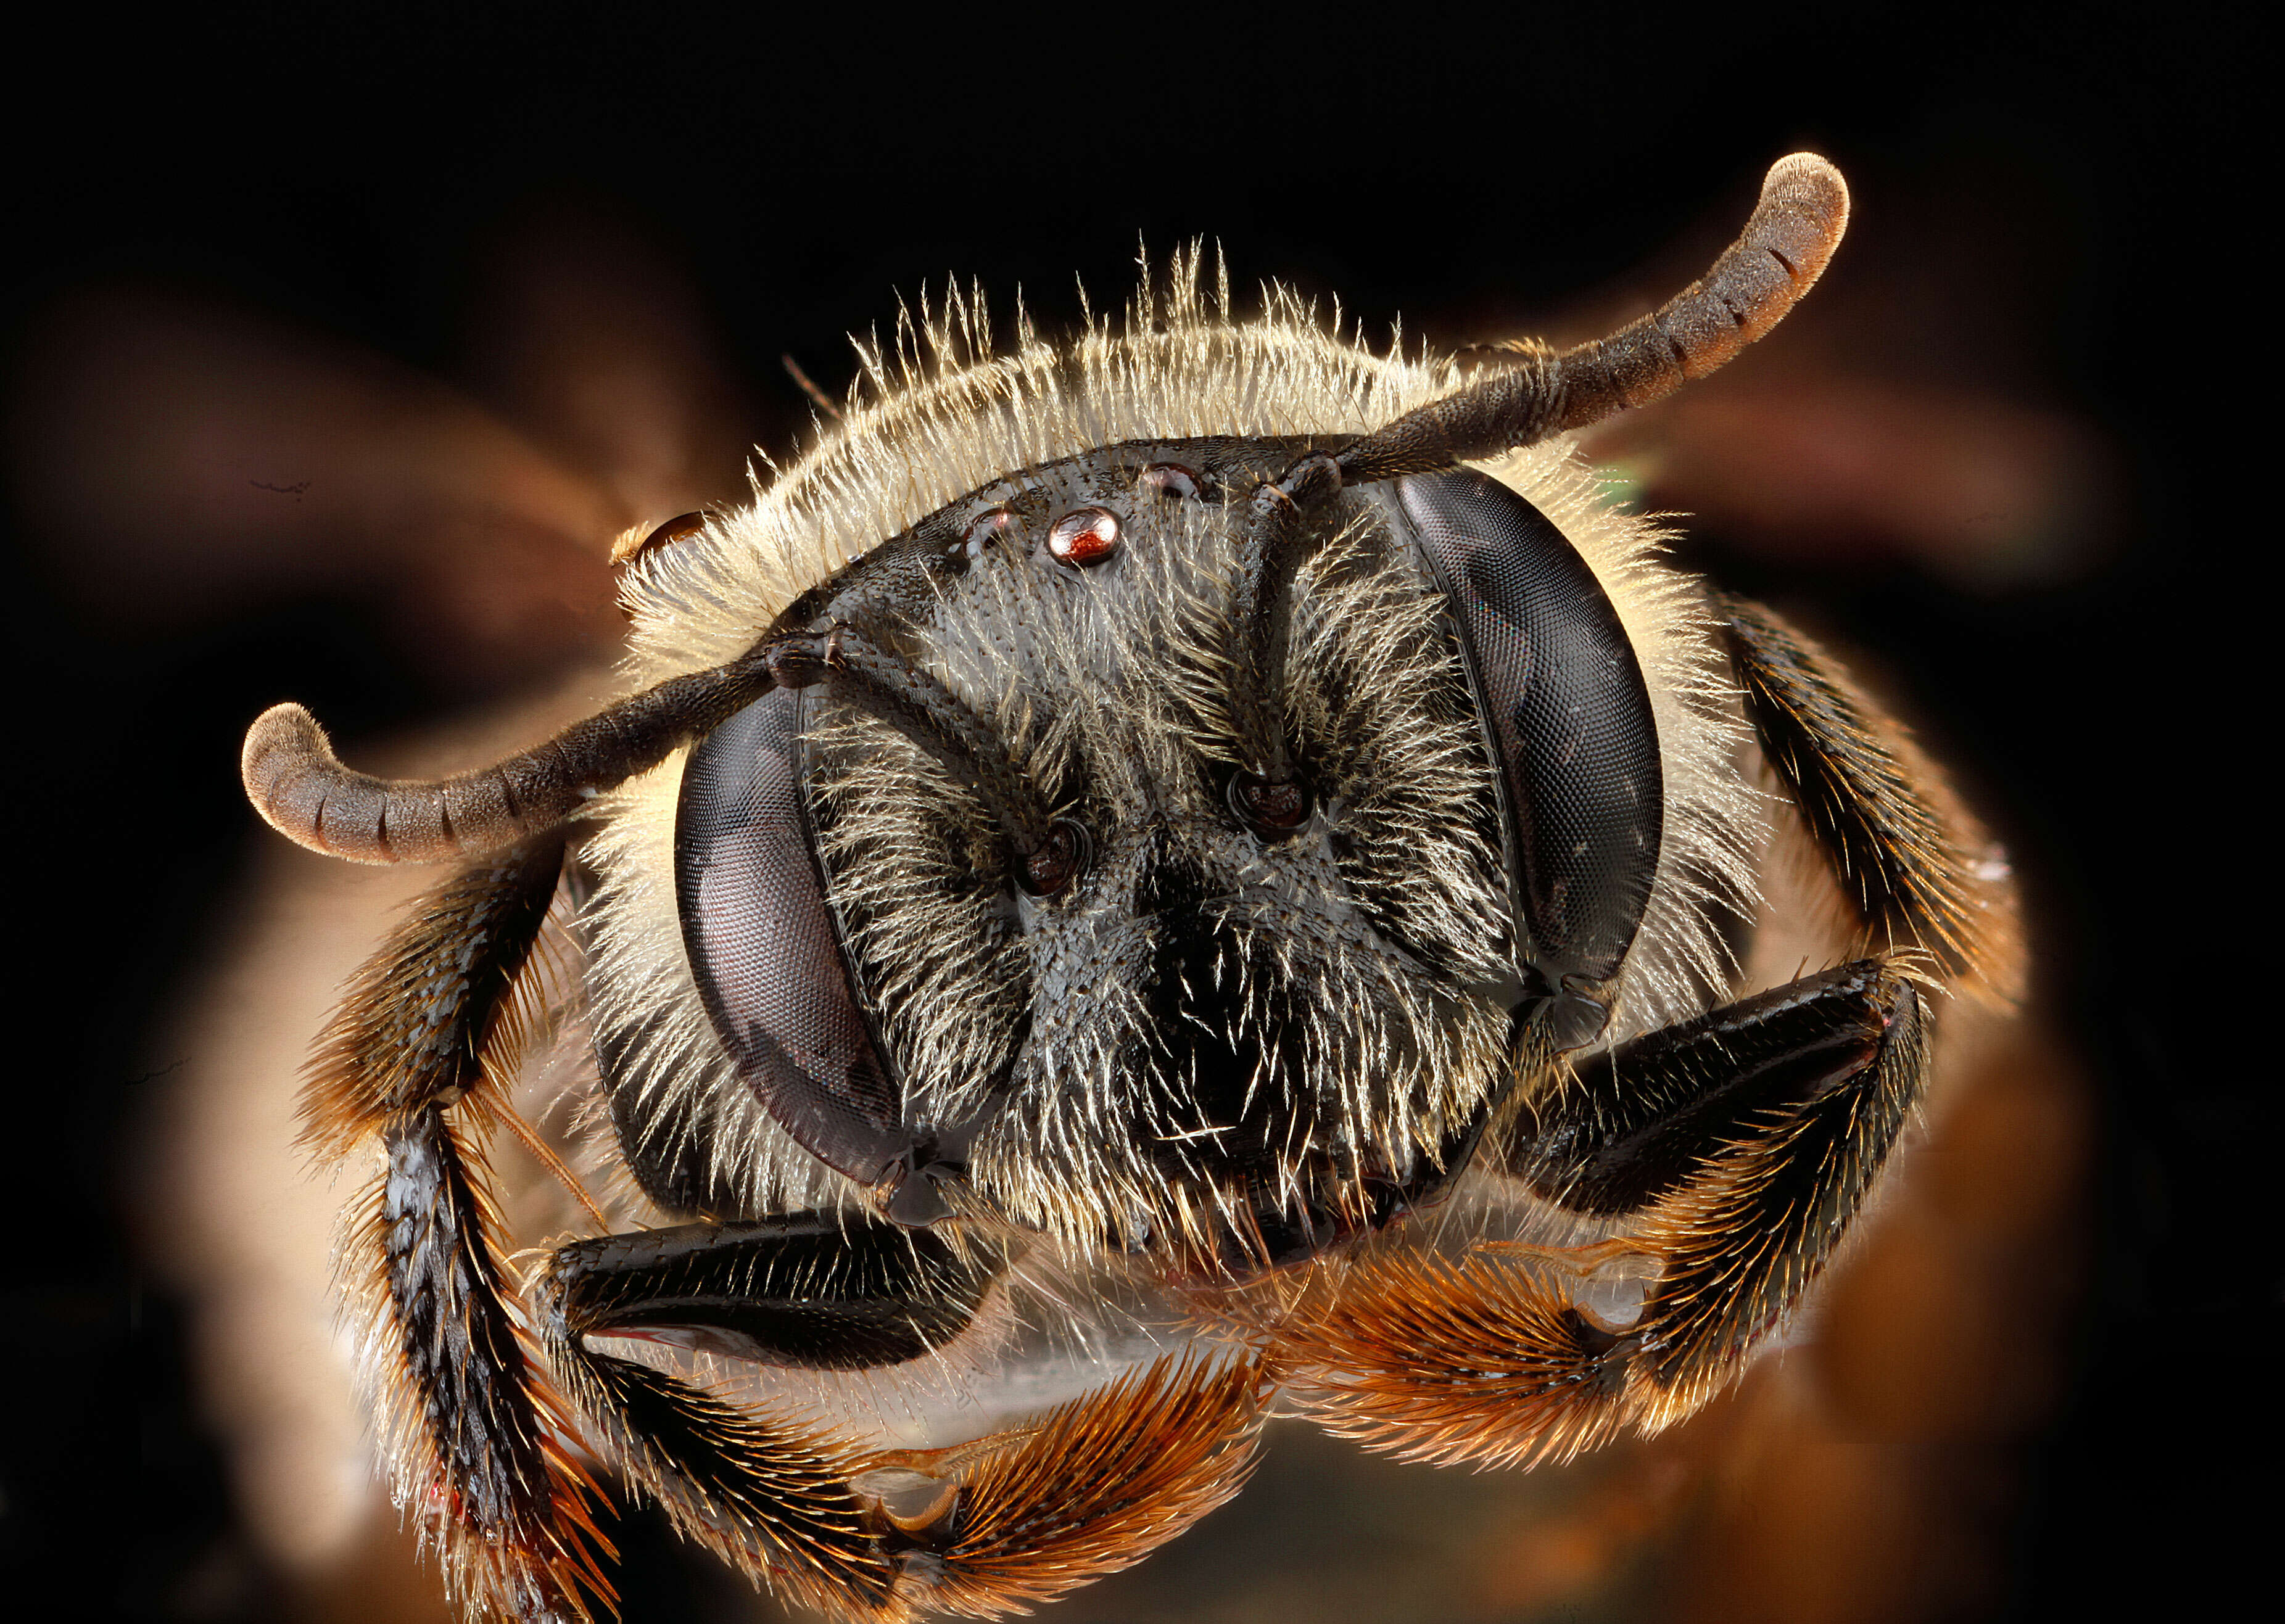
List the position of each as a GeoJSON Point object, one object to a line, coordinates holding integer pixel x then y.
{"type": "Point", "coordinates": [1208, 998]}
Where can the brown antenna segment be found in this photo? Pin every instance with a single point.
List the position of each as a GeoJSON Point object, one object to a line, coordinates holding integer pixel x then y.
{"type": "Point", "coordinates": [1784, 248]}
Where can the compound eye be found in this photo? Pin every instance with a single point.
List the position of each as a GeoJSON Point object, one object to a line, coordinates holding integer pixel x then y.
{"type": "Point", "coordinates": [1272, 811]}
{"type": "Point", "coordinates": [1059, 862]}
{"type": "Point", "coordinates": [1566, 716]}
{"type": "Point", "coordinates": [1087, 537]}
{"type": "Point", "coordinates": [766, 950]}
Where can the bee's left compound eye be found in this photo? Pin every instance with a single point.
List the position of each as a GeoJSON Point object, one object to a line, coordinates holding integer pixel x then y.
{"type": "Point", "coordinates": [1569, 719]}
{"type": "Point", "coordinates": [763, 945]}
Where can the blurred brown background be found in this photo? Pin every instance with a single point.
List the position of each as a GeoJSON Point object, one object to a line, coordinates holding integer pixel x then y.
{"type": "Point", "coordinates": [338, 347]}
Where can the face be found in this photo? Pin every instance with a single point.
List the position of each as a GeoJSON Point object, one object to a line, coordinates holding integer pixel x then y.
{"type": "Point", "coordinates": [1209, 981]}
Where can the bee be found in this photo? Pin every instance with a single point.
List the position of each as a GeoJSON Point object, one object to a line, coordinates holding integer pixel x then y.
{"type": "Point", "coordinates": [1195, 871]}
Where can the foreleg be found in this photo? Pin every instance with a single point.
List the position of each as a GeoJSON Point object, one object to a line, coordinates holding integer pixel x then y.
{"type": "Point", "coordinates": [1090, 1487]}
{"type": "Point", "coordinates": [1741, 1144]}
{"type": "Point", "coordinates": [1904, 851]}
{"type": "Point", "coordinates": [471, 1431]}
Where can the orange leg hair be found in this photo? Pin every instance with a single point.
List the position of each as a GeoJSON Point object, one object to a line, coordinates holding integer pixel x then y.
{"type": "Point", "coordinates": [1740, 1145]}
{"type": "Point", "coordinates": [1090, 1487]}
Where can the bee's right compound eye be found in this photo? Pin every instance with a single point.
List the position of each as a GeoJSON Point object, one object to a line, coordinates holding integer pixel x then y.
{"type": "Point", "coordinates": [763, 947]}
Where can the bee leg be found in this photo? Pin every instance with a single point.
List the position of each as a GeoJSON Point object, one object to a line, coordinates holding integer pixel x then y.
{"type": "Point", "coordinates": [1896, 839]}
{"type": "Point", "coordinates": [1745, 1141]}
{"type": "Point", "coordinates": [767, 1493]}
{"type": "Point", "coordinates": [1089, 1488]}
{"type": "Point", "coordinates": [1632, 1125]}
{"type": "Point", "coordinates": [1739, 1144]}
{"type": "Point", "coordinates": [471, 1431]}
{"type": "Point", "coordinates": [1093, 1485]}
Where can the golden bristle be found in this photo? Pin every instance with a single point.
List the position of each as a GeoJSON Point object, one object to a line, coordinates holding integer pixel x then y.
{"type": "Point", "coordinates": [765, 1491]}
{"type": "Point", "coordinates": [1473, 1362]}
{"type": "Point", "coordinates": [1099, 1483]}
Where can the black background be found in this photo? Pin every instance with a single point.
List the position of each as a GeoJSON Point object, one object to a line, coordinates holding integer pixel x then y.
{"type": "Point", "coordinates": [342, 172]}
